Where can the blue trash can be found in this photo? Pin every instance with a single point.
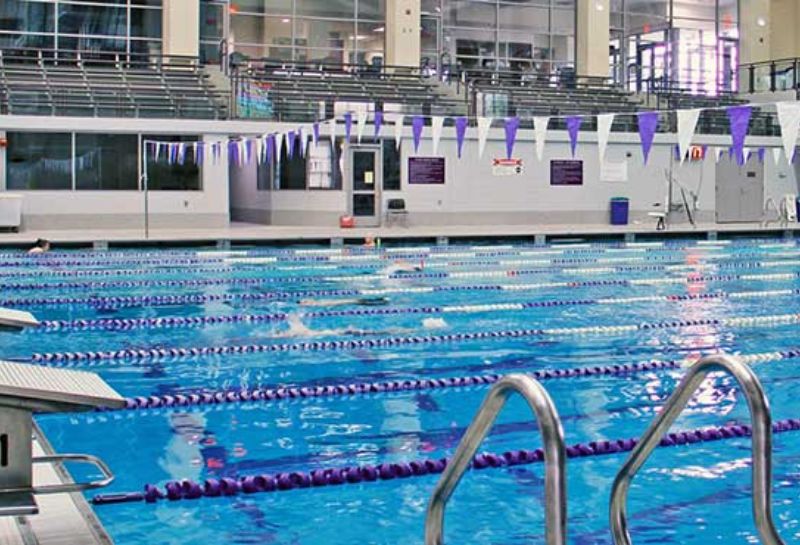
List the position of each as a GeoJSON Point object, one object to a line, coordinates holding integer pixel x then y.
{"type": "Point", "coordinates": [619, 211]}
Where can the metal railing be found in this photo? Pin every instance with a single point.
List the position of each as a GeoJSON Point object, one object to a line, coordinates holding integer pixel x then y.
{"type": "Point", "coordinates": [770, 76]}
{"type": "Point", "coordinates": [554, 457]}
{"type": "Point", "coordinates": [761, 438]}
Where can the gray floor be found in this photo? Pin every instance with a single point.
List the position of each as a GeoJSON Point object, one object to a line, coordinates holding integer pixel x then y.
{"type": "Point", "coordinates": [254, 232]}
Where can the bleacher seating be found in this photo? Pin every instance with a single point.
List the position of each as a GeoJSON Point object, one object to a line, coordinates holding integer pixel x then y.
{"type": "Point", "coordinates": [304, 92]}
{"type": "Point", "coordinates": [508, 93]}
{"type": "Point", "coordinates": [118, 86]}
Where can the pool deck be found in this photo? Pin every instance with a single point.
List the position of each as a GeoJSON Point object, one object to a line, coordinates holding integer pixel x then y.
{"type": "Point", "coordinates": [63, 519]}
{"type": "Point", "coordinates": [254, 233]}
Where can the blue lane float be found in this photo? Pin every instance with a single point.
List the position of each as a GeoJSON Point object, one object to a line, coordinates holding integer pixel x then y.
{"type": "Point", "coordinates": [188, 489]}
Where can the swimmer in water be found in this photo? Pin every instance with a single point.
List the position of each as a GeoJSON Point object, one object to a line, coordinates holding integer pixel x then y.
{"type": "Point", "coordinates": [361, 301]}
{"type": "Point", "coordinates": [298, 329]}
{"type": "Point", "coordinates": [41, 246]}
{"type": "Point", "coordinates": [401, 267]}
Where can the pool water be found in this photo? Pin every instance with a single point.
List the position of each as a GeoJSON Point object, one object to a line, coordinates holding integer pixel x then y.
{"type": "Point", "coordinates": [469, 310]}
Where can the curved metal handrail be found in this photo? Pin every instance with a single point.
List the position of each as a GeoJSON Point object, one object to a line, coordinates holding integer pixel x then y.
{"type": "Point", "coordinates": [761, 437]}
{"type": "Point", "coordinates": [554, 457]}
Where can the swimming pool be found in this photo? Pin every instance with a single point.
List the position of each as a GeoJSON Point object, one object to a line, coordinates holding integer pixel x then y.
{"type": "Point", "coordinates": [193, 335]}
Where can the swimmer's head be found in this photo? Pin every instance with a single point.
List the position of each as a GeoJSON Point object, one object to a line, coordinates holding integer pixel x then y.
{"type": "Point", "coordinates": [434, 323]}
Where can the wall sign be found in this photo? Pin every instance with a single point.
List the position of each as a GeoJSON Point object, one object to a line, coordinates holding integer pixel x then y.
{"type": "Point", "coordinates": [426, 170]}
{"type": "Point", "coordinates": [566, 172]}
{"type": "Point", "coordinates": [614, 171]}
{"type": "Point", "coordinates": [506, 167]}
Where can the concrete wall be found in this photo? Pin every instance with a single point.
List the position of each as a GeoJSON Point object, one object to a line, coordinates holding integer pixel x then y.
{"type": "Point", "coordinates": [473, 195]}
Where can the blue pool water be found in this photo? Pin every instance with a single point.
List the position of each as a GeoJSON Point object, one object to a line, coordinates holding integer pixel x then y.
{"type": "Point", "coordinates": [692, 494]}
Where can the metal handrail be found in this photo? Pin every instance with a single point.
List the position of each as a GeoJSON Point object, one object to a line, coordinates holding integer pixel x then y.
{"type": "Point", "coordinates": [554, 457]}
{"type": "Point", "coordinates": [761, 438]}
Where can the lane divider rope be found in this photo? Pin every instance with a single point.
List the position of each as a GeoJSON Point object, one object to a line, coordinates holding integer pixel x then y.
{"type": "Point", "coordinates": [111, 302]}
{"type": "Point", "coordinates": [188, 489]}
{"type": "Point", "coordinates": [39, 286]}
{"type": "Point", "coordinates": [127, 324]}
{"type": "Point", "coordinates": [128, 354]}
{"type": "Point", "coordinates": [245, 395]}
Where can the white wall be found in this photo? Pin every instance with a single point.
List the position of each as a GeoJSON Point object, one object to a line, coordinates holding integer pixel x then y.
{"type": "Point", "coordinates": [473, 195]}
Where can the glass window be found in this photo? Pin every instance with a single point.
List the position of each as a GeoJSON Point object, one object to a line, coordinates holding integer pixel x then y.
{"type": "Point", "coordinates": [291, 172]}
{"type": "Point", "coordinates": [39, 161]}
{"type": "Point", "coordinates": [320, 165]}
{"type": "Point", "coordinates": [97, 20]}
{"type": "Point", "coordinates": [261, 6]}
{"type": "Point", "coordinates": [371, 10]}
{"type": "Point", "coordinates": [106, 161]}
{"type": "Point", "coordinates": [162, 175]}
{"type": "Point", "coordinates": [212, 23]}
{"type": "Point", "coordinates": [23, 41]}
{"type": "Point", "coordinates": [26, 16]}
{"type": "Point", "coordinates": [531, 19]}
{"type": "Point", "coordinates": [146, 23]}
{"type": "Point", "coordinates": [341, 9]}
{"type": "Point", "coordinates": [469, 13]}
{"type": "Point", "coordinates": [391, 165]}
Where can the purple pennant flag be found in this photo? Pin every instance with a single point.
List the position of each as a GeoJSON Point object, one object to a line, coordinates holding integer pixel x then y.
{"type": "Point", "coordinates": [315, 128]}
{"type": "Point", "coordinates": [417, 123]}
{"type": "Point", "coordinates": [739, 117]}
{"type": "Point", "coordinates": [512, 124]}
{"type": "Point", "coordinates": [270, 147]}
{"type": "Point", "coordinates": [348, 124]}
{"type": "Point", "coordinates": [461, 132]}
{"type": "Point", "coordinates": [648, 122]}
{"type": "Point", "coordinates": [761, 153]}
{"type": "Point", "coordinates": [378, 123]}
{"type": "Point", "coordinates": [290, 138]}
{"type": "Point", "coordinates": [199, 153]}
{"type": "Point", "coordinates": [573, 126]}
{"type": "Point", "coordinates": [677, 152]}
{"type": "Point", "coordinates": [248, 150]}
{"type": "Point", "coordinates": [233, 153]}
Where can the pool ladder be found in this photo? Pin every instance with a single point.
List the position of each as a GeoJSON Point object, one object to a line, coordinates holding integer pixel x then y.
{"type": "Point", "coordinates": [555, 452]}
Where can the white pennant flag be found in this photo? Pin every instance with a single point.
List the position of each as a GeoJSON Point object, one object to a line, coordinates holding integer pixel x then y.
{"type": "Point", "coordinates": [332, 130]}
{"type": "Point", "coordinates": [398, 129]}
{"type": "Point", "coordinates": [604, 122]}
{"type": "Point", "coordinates": [540, 130]}
{"type": "Point", "coordinates": [361, 122]}
{"type": "Point", "coordinates": [746, 153]}
{"type": "Point", "coordinates": [776, 155]}
{"type": "Point", "coordinates": [436, 130]}
{"type": "Point", "coordinates": [303, 141]}
{"type": "Point", "coordinates": [718, 153]}
{"type": "Point", "coordinates": [484, 123]}
{"type": "Point", "coordinates": [260, 150]}
{"type": "Point", "coordinates": [278, 147]}
{"type": "Point", "coordinates": [789, 119]}
{"type": "Point", "coordinates": [687, 123]}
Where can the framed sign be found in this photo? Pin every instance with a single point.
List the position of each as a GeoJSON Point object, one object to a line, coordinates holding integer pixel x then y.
{"type": "Point", "coordinates": [506, 167]}
{"type": "Point", "coordinates": [566, 172]}
{"type": "Point", "coordinates": [426, 170]}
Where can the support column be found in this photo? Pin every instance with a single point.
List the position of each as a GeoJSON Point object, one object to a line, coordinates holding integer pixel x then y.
{"type": "Point", "coordinates": [592, 38]}
{"type": "Point", "coordinates": [180, 28]}
{"type": "Point", "coordinates": [754, 40]}
{"type": "Point", "coordinates": [402, 32]}
{"type": "Point", "coordinates": [784, 41]}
